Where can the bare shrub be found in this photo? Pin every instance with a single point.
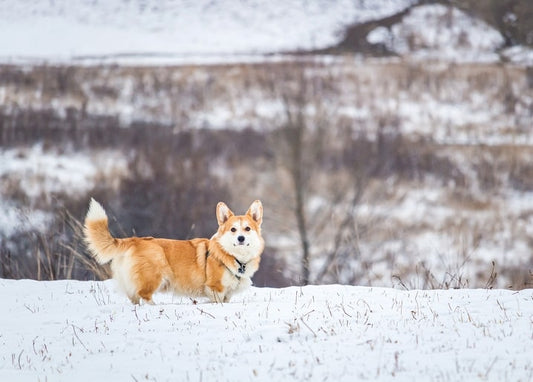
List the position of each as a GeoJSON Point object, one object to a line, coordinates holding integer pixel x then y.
{"type": "Point", "coordinates": [58, 254]}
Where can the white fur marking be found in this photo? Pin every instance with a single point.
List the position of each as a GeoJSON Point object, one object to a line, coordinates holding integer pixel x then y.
{"type": "Point", "coordinates": [256, 211]}
{"type": "Point", "coordinates": [246, 252]}
{"type": "Point", "coordinates": [122, 266]}
{"type": "Point", "coordinates": [96, 211]}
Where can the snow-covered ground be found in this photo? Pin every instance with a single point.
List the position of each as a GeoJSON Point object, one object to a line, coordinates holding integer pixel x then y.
{"type": "Point", "coordinates": [85, 331]}
{"type": "Point", "coordinates": [63, 30]}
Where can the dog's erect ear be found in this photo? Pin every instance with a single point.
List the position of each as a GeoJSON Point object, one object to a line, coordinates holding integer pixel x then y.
{"type": "Point", "coordinates": [223, 213]}
{"type": "Point", "coordinates": [256, 211]}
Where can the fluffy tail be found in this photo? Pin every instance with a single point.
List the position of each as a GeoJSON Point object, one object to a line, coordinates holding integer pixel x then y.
{"type": "Point", "coordinates": [102, 245]}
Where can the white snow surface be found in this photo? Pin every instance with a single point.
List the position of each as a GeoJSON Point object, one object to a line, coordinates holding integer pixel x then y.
{"type": "Point", "coordinates": [85, 331]}
{"type": "Point", "coordinates": [74, 29]}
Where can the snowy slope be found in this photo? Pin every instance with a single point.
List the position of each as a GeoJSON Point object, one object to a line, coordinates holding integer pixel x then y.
{"type": "Point", "coordinates": [67, 29]}
{"type": "Point", "coordinates": [84, 331]}
{"type": "Point", "coordinates": [438, 31]}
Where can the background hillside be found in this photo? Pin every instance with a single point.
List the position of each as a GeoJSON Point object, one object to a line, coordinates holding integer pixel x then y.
{"type": "Point", "coordinates": [390, 141]}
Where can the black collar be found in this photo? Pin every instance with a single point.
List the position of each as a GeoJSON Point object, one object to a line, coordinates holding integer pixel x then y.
{"type": "Point", "coordinates": [242, 266]}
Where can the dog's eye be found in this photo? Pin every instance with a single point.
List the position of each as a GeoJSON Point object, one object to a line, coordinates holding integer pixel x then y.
{"type": "Point", "coordinates": [247, 228]}
{"type": "Point", "coordinates": [234, 229]}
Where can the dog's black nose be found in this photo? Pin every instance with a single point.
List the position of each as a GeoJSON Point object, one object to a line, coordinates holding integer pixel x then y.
{"type": "Point", "coordinates": [240, 239]}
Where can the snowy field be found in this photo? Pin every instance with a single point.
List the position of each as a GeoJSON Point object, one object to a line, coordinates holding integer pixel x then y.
{"type": "Point", "coordinates": [179, 32]}
{"type": "Point", "coordinates": [85, 331]}
{"type": "Point", "coordinates": [66, 30]}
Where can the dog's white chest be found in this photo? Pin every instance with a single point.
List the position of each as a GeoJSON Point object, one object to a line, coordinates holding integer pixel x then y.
{"type": "Point", "coordinates": [234, 284]}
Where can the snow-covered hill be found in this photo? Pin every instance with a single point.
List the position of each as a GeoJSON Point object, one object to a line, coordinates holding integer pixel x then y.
{"type": "Point", "coordinates": [84, 331]}
{"type": "Point", "coordinates": [156, 32]}
{"type": "Point", "coordinates": [67, 30]}
{"type": "Point", "coordinates": [441, 32]}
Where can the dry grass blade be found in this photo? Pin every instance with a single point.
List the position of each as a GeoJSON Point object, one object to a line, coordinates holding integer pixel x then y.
{"type": "Point", "coordinates": [79, 253]}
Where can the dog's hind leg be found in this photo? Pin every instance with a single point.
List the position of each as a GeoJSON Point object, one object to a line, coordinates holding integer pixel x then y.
{"type": "Point", "coordinates": [135, 300]}
{"type": "Point", "coordinates": [148, 285]}
{"type": "Point", "coordinates": [146, 295]}
{"type": "Point", "coordinates": [148, 275]}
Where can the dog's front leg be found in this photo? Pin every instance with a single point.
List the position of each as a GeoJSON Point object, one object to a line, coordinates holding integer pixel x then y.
{"type": "Point", "coordinates": [214, 295]}
{"type": "Point", "coordinates": [227, 297]}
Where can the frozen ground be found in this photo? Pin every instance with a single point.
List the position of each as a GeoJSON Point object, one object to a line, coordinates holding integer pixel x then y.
{"type": "Point", "coordinates": [84, 331]}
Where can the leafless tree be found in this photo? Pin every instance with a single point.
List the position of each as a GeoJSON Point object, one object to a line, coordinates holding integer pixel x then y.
{"type": "Point", "coordinates": [306, 151]}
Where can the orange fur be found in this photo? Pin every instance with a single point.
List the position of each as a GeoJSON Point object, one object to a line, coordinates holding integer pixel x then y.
{"type": "Point", "coordinates": [211, 268]}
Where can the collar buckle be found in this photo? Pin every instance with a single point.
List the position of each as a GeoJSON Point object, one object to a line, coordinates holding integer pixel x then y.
{"type": "Point", "coordinates": [242, 267]}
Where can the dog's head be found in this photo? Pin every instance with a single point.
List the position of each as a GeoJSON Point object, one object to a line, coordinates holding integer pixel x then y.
{"type": "Point", "coordinates": [240, 236]}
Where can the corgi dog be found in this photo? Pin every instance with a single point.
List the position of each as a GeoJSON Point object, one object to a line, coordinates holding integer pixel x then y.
{"type": "Point", "coordinates": [215, 268]}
